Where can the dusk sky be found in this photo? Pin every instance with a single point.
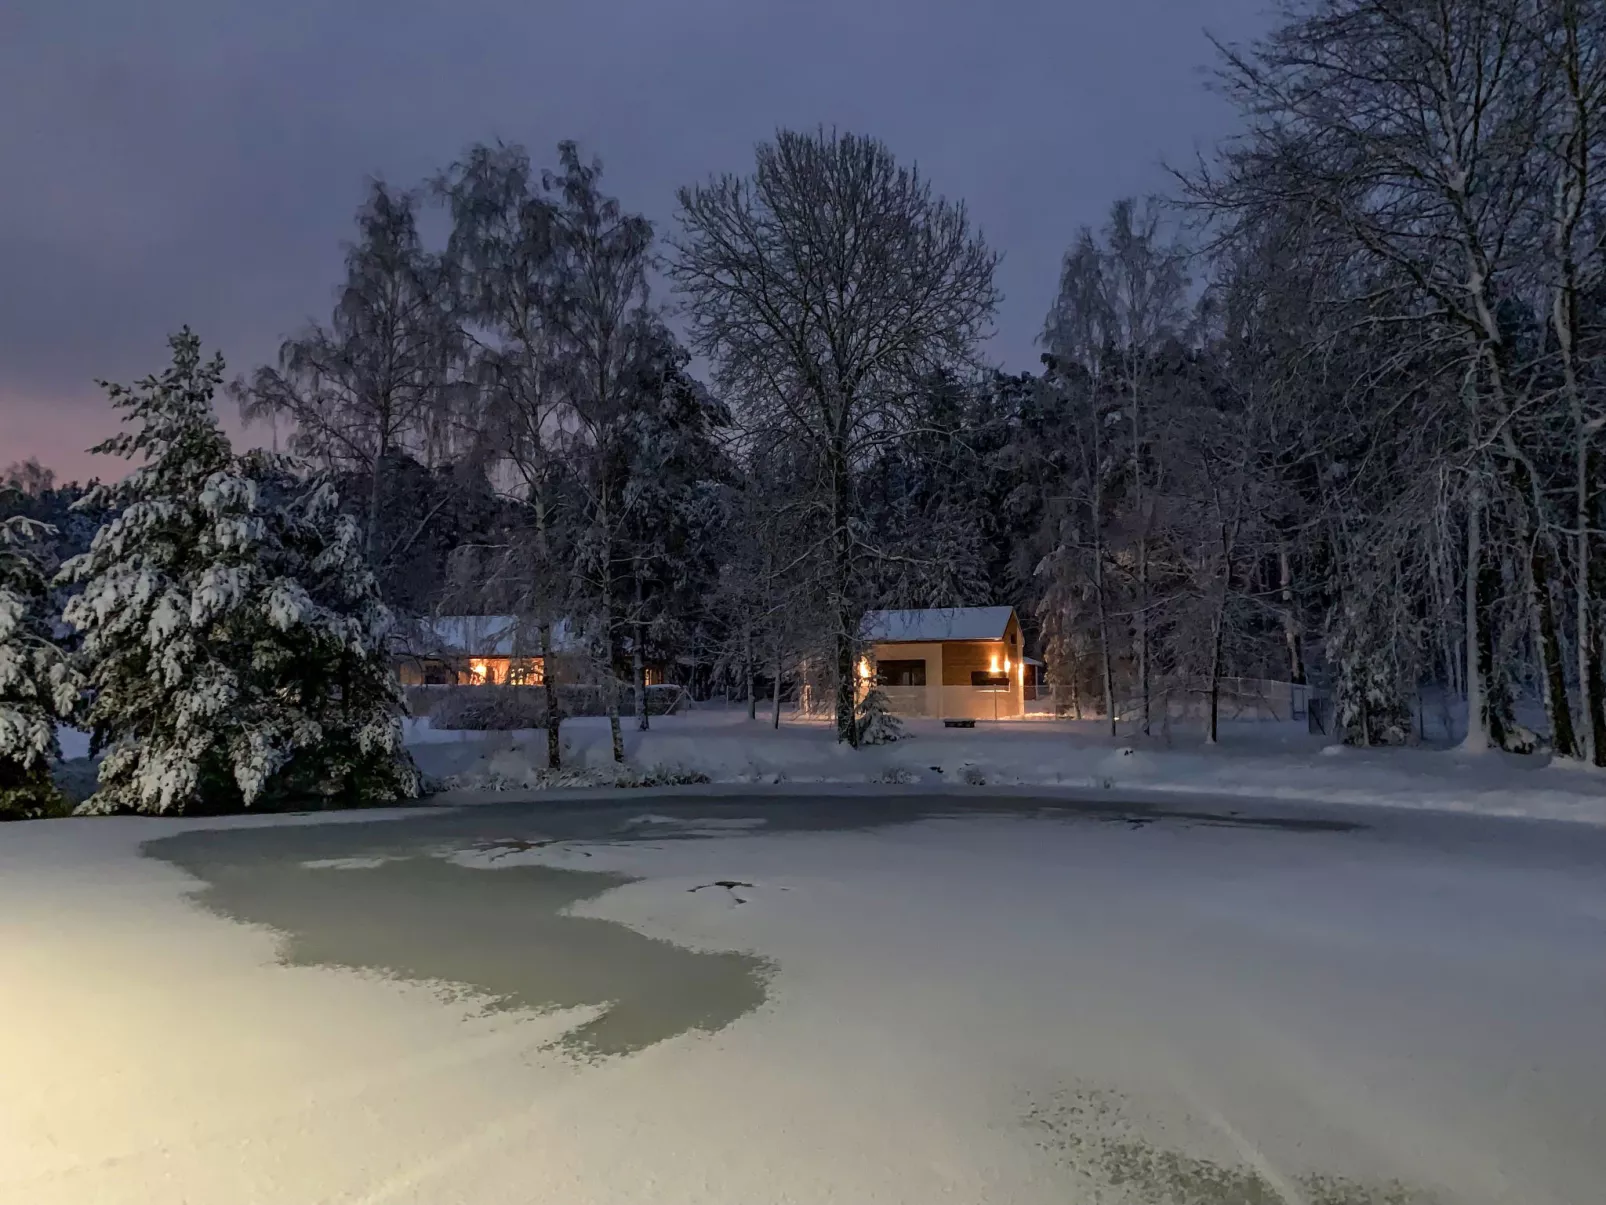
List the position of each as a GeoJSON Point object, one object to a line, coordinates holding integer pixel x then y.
{"type": "Point", "coordinates": [199, 161]}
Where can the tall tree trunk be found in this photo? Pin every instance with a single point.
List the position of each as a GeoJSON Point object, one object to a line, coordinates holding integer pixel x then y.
{"type": "Point", "coordinates": [1142, 634]}
{"type": "Point", "coordinates": [610, 688]}
{"type": "Point", "coordinates": [1562, 739]}
{"type": "Point", "coordinates": [1579, 84]}
{"type": "Point", "coordinates": [775, 690]}
{"type": "Point", "coordinates": [1594, 749]}
{"type": "Point", "coordinates": [846, 621]}
{"type": "Point", "coordinates": [610, 681]}
{"type": "Point", "coordinates": [1492, 647]}
{"type": "Point", "coordinates": [1218, 626]}
{"type": "Point", "coordinates": [1595, 673]}
{"type": "Point", "coordinates": [1477, 738]}
{"type": "Point", "coordinates": [750, 670]}
{"type": "Point", "coordinates": [1296, 652]}
{"type": "Point", "coordinates": [638, 659]}
{"type": "Point", "coordinates": [549, 688]}
{"type": "Point", "coordinates": [1214, 669]}
{"type": "Point", "coordinates": [375, 495]}
{"type": "Point", "coordinates": [1106, 668]}
{"type": "Point", "coordinates": [549, 677]}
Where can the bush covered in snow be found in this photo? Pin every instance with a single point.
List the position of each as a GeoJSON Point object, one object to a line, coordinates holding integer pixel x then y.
{"type": "Point", "coordinates": [232, 634]}
{"type": "Point", "coordinates": [487, 708]}
{"type": "Point", "coordinates": [614, 775]}
{"type": "Point", "coordinates": [37, 684]}
{"type": "Point", "coordinates": [877, 724]}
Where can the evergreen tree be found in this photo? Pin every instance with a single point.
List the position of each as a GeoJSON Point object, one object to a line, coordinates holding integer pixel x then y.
{"type": "Point", "coordinates": [37, 684]}
{"type": "Point", "coordinates": [234, 640]}
{"type": "Point", "coordinates": [331, 705]}
{"type": "Point", "coordinates": [874, 722]}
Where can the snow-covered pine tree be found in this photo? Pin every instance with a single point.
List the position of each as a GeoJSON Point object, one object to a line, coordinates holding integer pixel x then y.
{"type": "Point", "coordinates": [877, 725]}
{"type": "Point", "coordinates": [37, 683]}
{"type": "Point", "coordinates": [234, 651]}
{"type": "Point", "coordinates": [161, 661]}
{"type": "Point", "coordinates": [332, 705]}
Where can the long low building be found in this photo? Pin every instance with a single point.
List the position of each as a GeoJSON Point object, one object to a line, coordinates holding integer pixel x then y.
{"type": "Point", "coordinates": [496, 650]}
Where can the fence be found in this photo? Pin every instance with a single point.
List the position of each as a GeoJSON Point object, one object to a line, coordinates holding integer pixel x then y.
{"type": "Point", "coordinates": [495, 708]}
{"type": "Point", "coordinates": [935, 702]}
{"type": "Point", "coordinates": [1236, 699]}
{"type": "Point", "coordinates": [1243, 699]}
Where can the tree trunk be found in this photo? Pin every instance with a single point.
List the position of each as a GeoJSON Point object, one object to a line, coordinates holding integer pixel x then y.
{"type": "Point", "coordinates": [1497, 710]}
{"type": "Point", "coordinates": [375, 480]}
{"type": "Point", "coordinates": [1142, 633]}
{"type": "Point", "coordinates": [1562, 739]}
{"type": "Point", "coordinates": [1594, 750]}
{"type": "Point", "coordinates": [1296, 652]}
{"type": "Point", "coordinates": [1217, 640]}
{"type": "Point", "coordinates": [775, 690]}
{"type": "Point", "coordinates": [638, 661]}
{"type": "Point", "coordinates": [847, 727]}
{"type": "Point", "coordinates": [1106, 670]}
{"type": "Point", "coordinates": [610, 687]}
{"type": "Point", "coordinates": [1596, 675]}
{"type": "Point", "coordinates": [549, 688]}
{"type": "Point", "coordinates": [638, 674]}
{"type": "Point", "coordinates": [750, 670]}
{"type": "Point", "coordinates": [1477, 738]}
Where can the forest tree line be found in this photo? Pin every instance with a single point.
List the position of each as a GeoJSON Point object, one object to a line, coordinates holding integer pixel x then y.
{"type": "Point", "coordinates": [1329, 412]}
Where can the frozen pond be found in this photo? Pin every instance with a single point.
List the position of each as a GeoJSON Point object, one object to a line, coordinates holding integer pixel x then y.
{"type": "Point", "coordinates": [883, 997]}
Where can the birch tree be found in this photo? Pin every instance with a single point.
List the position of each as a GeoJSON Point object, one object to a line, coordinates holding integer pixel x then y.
{"type": "Point", "coordinates": [502, 263]}
{"type": "Point", "coordinates": [373, 381]}
{"type": "Point", "coordinates": [603, 341]}
{"type": "Point", "coordinates": [1409, 129]}
{"type": "Point", "coordinates": [823, 286]}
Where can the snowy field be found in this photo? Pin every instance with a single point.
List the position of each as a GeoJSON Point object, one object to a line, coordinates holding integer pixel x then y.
{"type": "Point", "coordinates": [1261, 760]}
{"type": "Point", "coordinates": [890, 1000]}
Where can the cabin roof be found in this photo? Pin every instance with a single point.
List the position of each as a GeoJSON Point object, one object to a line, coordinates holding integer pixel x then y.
{"type": "Point", "coordinates": [938, 624]}
{"type": "Point", "coordinates": [483, 636]}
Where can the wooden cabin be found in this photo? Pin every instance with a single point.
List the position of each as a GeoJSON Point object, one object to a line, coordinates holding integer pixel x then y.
{"type": "Point", "coordinates": [948, 662]}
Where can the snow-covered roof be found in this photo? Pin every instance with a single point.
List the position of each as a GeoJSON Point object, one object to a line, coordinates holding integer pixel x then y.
{"type": "Point", "coordinates": [481, 636]}
{"type": "Point", "coordinates": [938, 623]}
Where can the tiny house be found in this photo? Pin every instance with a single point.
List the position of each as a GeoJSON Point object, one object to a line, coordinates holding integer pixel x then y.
{"type": "Point", "coordinates": [948, 662]}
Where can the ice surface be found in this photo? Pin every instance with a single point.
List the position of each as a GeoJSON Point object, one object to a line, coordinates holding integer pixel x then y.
{"type": "Point", "coordinates": [1028, 1008]}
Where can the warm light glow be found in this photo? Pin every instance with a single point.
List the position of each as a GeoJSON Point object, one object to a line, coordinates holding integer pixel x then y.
{"type": "Point", "coordinates": [477, 671]}
{"type": "Point", "coordinates": [995, 664]}
{"type": "Point", "coordinates": [864, 668]}
{"type": "Point", "coordinates": [1006, 665]}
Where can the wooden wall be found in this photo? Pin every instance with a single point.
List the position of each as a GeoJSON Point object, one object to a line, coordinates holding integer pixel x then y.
{"type": "Point", "coordinates": [961, 657]}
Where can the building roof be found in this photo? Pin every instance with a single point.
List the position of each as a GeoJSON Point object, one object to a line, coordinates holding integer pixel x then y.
{"type": "Point", "coordinates": [938, 623]}
{"type": "Point", "coordinates": [481, 636]}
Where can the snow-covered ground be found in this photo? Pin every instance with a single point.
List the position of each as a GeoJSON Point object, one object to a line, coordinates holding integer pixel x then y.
{"type": "Point", "coordinates": [1255, 760]}
{"type": "Point", "coordinates": [1045, 1006]}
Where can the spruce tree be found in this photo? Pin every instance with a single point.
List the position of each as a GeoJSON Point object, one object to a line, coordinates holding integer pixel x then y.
{"type": "Point", "coordinates": [37, 685]}
{"type": "Point", "coordinates": [234, 643]}
{"type": "Point", "coordinates": [331, 702]}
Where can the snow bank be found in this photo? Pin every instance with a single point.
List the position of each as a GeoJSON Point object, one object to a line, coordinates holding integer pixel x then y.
{"type": "Point", "coordinates": [1262, 761]}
